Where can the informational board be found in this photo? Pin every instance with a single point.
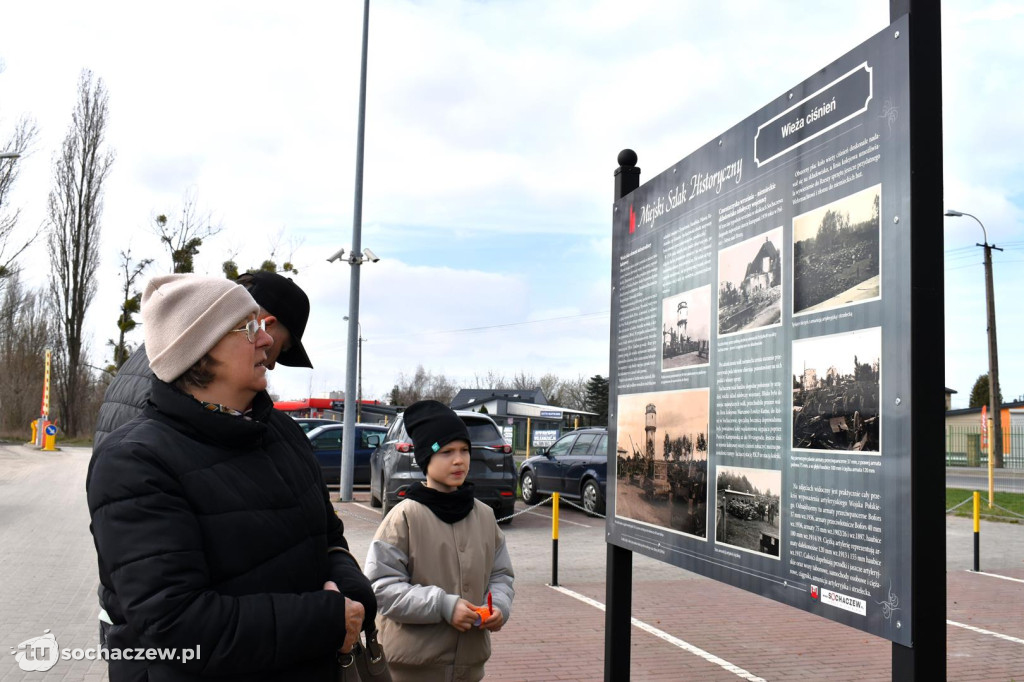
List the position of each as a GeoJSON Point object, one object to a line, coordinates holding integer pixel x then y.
{"type": "Point", "coordinates": [760, 384]}
{"type": "Point", "coordinates": [543, 438]}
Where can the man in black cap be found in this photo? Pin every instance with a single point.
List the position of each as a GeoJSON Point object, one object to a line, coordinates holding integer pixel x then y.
{"type": "Point", "coordinates": [283, 306]}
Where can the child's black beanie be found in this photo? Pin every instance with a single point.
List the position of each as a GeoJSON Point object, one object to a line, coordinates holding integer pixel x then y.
{"type": "Point", "coordinates": [432, 425]}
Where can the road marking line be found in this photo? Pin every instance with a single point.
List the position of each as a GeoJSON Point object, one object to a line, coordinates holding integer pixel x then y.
{"type": "Point", "coordinates": [370, 509]}
{"type": "Point", "coordinates": [561, 519]}
{"type": "Point", "coordinates": [996, 575]}
{"type": "Point", "coordinates": [661, 634]}
{"type": "Point", "coordinates": [1008, 638]}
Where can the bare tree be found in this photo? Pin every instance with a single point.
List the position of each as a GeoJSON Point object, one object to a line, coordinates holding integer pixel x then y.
{"type": "Point", "coordinates": [184, 235]}
{"type": "Point", "coordinates": [19, 142]}
{"type": "Point", "coordinates": [73, 233]}
{"type": "Point", "coordinates": [492, 379]}
{"type": "Point", "coordinates": [571, 393]}
{"type": "Point", "coordinates": [422, 385]}
{"type": "Point", "coordinates": [230, 266]}
{"type": "Point", "coordinates": [24, 334]}
{"type": "Point", "coordinates": [130, 271]}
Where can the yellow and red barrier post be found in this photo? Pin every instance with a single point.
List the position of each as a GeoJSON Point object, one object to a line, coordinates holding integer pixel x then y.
{"type": "Point", "coordinates": [44, 411]}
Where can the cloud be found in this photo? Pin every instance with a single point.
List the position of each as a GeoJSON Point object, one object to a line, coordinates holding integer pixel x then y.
{"type": "Point", "coordinates": [492, 131]}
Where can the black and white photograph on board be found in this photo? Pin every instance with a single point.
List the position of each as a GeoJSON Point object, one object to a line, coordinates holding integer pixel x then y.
{"type": "Point", "coordinates": [836, 380]}
{"type": "Point", "coordinates": [686, 329]}
{"type": "Point", "coordinates": [836, 253]}
{"type": "Point", "coordinates": [747, 509]}
{"type": "Point", "coordinates": [662, 459]}
{"type": "Point", "coordinates": [750, 284]}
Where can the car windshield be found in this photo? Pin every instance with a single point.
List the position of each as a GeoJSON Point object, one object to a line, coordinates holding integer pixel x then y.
{"type": "Point", "coordinates": [482, 431]}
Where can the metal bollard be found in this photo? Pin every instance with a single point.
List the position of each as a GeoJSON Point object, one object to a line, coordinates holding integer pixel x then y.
{"type": "Point", "coordinates": [977, 531]}
{"type": "Point", "coordinates": [554, 540]}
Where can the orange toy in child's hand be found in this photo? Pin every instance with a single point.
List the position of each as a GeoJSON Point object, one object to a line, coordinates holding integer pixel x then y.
{"type": "Point", "coordinates": [484, 612]}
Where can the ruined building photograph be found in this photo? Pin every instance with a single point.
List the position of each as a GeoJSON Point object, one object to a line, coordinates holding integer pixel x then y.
{"type": "Point", "coordinates": [750, 284]}
{"type": "Point", "coordinates": [836, 253]}
{"type": "Point", "coordinates": [836, 381]}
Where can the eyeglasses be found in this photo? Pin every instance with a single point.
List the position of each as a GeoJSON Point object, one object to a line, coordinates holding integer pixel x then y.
{"type": "Point", "coordinates": [251, 327]}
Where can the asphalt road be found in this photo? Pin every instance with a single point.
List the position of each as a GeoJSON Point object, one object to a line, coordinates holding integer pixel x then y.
{"type": "Point", "coordinates": [976, 478]}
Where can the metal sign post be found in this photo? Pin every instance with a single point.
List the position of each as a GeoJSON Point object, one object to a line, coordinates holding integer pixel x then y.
{"type": "Point", "coordinates": [925, 658]}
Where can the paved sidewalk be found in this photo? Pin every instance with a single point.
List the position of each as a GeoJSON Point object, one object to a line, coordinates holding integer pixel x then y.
{"type": "Point", "coordinates": [48, 581]}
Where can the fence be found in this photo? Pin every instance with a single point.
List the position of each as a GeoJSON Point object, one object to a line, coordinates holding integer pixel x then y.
{"type": "Point", "coordinates": [963, 447]}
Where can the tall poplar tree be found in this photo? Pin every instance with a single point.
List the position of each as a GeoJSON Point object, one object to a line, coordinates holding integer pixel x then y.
{"type": "Point", "coordinates": [73, 234]}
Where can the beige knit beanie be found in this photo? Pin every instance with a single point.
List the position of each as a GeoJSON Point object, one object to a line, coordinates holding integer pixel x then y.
{"type": "Point", "coordinates": [184, 316]}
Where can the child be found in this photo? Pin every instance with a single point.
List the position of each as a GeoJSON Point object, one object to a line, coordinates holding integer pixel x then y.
{"type": "Point", "coordinates": [436, 557]}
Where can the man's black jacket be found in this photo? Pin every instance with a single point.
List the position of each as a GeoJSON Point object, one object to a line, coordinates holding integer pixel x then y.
{"type": "Point", "coordinates": [126, 396]}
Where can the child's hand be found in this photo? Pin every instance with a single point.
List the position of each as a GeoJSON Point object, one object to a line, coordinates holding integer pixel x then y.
{"type": "Point", "coordinates": [464, 616]}
{"type": "Point", "coordinates": [495, 622]}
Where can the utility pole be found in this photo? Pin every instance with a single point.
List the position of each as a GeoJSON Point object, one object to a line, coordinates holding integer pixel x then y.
{"type": "Point", "coordinates": [995, 429]}
{"type": "Point", "coordinates": [995, 432]}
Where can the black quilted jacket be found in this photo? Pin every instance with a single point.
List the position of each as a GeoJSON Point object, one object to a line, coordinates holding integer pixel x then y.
{"type": "Point", "coordinates": [212, 531]}
{"type": "Point", "coordinates": [126, 395]}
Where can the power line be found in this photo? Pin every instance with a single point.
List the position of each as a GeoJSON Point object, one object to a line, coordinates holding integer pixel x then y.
{"type": "Point", "coordinates": [473, 330]}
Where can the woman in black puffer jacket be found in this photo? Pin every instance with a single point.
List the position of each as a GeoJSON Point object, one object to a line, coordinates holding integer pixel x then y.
{"type": "Point", "coordinates": [214, 531]}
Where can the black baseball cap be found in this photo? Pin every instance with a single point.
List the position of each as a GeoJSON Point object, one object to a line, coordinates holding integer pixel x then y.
{"type": "Point", "coordinates": [282, 298]}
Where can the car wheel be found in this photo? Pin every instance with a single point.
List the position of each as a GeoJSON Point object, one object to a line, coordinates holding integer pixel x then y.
{"type": "Point", "coordinates": [592, 500]}
{"type": "Point", "coordinates": [528, 488]}
{"type": "Point", "coordinates": [374, 500]}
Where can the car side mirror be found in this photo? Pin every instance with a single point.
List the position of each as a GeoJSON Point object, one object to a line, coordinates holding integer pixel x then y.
{"type": "Point", "coordinates": [373, 441]}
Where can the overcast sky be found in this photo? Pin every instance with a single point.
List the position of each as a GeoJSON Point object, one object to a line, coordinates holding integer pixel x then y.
{"type": "Point", "coordinates": [491, 136]}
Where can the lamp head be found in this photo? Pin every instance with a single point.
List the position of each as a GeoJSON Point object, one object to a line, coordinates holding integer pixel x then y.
{"type": "Point", "coordinates": [953, 214]}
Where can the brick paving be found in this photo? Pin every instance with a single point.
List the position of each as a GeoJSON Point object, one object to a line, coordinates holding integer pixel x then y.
{"type": "Point", "coordinates": [48, 580]}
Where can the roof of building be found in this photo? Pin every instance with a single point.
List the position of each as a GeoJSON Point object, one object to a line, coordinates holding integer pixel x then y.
{"type": "Point", "coordinates": [977, 410]}
{"type": "Point", "coordinates": [471, 397]}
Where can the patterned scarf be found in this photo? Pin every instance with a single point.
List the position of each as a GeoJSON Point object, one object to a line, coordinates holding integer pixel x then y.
{"type": "Point", "coordinates": [224, 409]}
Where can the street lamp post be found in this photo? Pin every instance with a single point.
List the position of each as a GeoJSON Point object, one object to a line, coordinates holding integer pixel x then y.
{"type": "Point", "coordinates": [995, 432]}
{"type": "Point", "coordinates": [359, 399]}
{"type": "Point", "coordinates": [356, 260]}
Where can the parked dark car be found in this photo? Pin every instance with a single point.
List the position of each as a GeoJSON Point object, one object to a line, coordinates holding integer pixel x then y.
{"type": "Point", "coordinates": [310, 423]}
{"type": "Point", "coordinates": [326, 440]}
{"type": "Point", "coordinates": [575, 465]}
{"type": "Point", "coordinates": [492, 471]}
